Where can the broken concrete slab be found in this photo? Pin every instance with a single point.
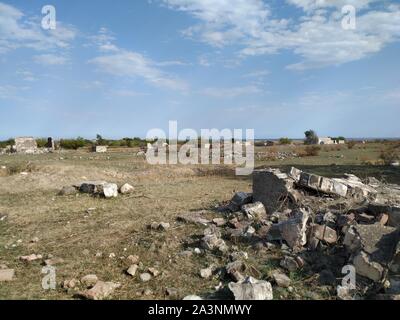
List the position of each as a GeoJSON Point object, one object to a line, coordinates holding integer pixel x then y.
{"type": "Point", "coordinates": [25, 145]}
{"type": "Point", "coordinates": [89, 280]}
{"type": "Point", "coordinates": [373, 248]}
{"type": "Point", "coordinates": [272, 188]}
{"type": "Point", "coordinates": [132, 270]}
{"type": "Point", "coordinates": [293, 231]}
{"type": "Point", "coordinates": [251, 289]}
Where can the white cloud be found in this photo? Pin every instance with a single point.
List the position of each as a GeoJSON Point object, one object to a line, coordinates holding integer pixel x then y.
{"type": "Point", "coordinates": [134, 65]}
{"type": "Point", "coordinates": [20, 31]}
{"type": "Point", "coordinates": [26, 75]}
{"type": "Point", "coordinates": [231, 92]}
{"type": "Point", "coordinates": [50, 59]}
{"type": "Point", "coordinates": [316, 35]}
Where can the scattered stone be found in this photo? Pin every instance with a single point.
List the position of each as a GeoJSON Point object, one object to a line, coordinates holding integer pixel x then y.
{"type": "Point", "coordinates": [235, 269]}
{"type": "Point", "coordinates": [251, 289]}
{"type": "Point", "coordinates": [254, 211]}
{"type": "Point", "coordinates": [219, 222]}
{"type": "Point", "coordinates": [30, 258]}
{"type": "Point", "coordinates": [343, 293]}
{"type": "Point", "coordinates": [291, 264]}
{"type": "Point", "coordinates": [238, 255]}
{"type": "Point", "coordinates": [154, 272]}
{"type": "Point", "coordinates": [206, 273]}
{"type": "Point", "coordinates": [126, 188]}
{"type": "Point", "coordinates": [164, 226]}
{"type": "Point", "coordinates": [281, 279]}
{"type": "Point", "coordinates": [89, 280]}
{"type": "Point", "coordinates": [6, 275]}
{"type": "Point", "coordinates": [132, 270]}
{"type": "Point", "coordinates": [195, 218]}
{"type": "Point", "coordinates": [324, 233]}
{"type": "Point", "coordinates": [35, 240]}
{"type": "Point", "coordinates": [108, 190]}
{"type": "Point", "coordinates": [100, 291]}
{"type": "Point", "coordinates": [145, 277]}
{"type": "Point", "coordinates": [68, 191]}
{"type": "Point", "coordinates": [212, 241]}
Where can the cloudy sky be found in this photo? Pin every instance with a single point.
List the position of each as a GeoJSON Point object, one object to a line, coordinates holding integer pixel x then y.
{"type": "Point", "coordinates": [121, 68]}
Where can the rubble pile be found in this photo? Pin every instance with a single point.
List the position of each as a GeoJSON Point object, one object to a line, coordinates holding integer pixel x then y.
{"type": "Point", "coordinates": [319, 224]}
{"type": "Point", "coordinates": [97, 188]}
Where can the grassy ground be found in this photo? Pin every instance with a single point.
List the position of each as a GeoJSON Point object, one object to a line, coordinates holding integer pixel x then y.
{"type": "Point", "coordinates": [67, 229]}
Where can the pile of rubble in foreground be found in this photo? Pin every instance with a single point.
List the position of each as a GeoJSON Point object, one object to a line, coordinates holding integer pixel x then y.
{"type": "Point", "coordinates": [345, 224]}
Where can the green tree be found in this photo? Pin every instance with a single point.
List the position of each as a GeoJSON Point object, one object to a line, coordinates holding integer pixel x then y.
{"type": "Point", "coordinates": [311, 137]}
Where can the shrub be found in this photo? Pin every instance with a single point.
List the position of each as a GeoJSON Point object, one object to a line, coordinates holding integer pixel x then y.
{"type": "Point", "coordinates": [9, 142]}
{"type": "Point", "coordinates": [390, 155]}
{"type": "Point", "coordinates": [74, 144]}
{"type": "Point", "coordinates": [311, 137]}
{"type": "Point", "coordinates": [285, 141]}
{"type": "Point", "coordinates": [312, 151]}
{"type": "Point", "coordinates": [351, 144]}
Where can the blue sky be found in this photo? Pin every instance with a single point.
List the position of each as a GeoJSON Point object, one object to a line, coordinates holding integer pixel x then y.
{"type": "Point", "coordinates": [121, 68]}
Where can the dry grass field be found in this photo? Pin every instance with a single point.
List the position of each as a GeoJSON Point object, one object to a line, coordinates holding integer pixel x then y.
{"type": "Point", "coordinates": [95, 236]}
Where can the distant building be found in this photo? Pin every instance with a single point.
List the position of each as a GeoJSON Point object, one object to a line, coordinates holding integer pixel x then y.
{"type": "Point", "coordinates": [324, 141]}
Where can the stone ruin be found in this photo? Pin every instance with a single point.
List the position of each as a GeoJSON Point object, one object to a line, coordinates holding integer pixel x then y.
{"type": "Point", "coordinates": [25, 145]}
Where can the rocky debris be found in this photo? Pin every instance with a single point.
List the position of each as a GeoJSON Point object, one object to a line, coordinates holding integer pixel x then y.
{"type": "Point", "coordinates": [251, 289]}
{"type": "Point", "coordinates": [273, 188]}
{"type": "Point", "coordinates": [324, 233]}
{"type": "Point", "coordinates": [103, 188]}
{"type": "Point", "coordinates": [293, 231]}
{"type": "Point", "coordinates": [343, 293]}
{"type": "Point", "coordinates": [6, 275]}
{"type": "Point", "coordinates": [126, 189]}
{"type": "Point", "coordinates": [235, 270]}
{"type": "Point", "coordinates": [207, 272]}
{"type": "Point", "coordinates": [132, 270]}
{"type": "Point", "coordinates": [292, 264]}
{"type": "Point", "coordinates": [214, 242]}
{"type": "Point", "coordinates": [219, 222]}
{"type": "Point", "coordinates": [100, 291]}
{"type": "Point", "coordinates": [281, 279]}
{"type": "Point", "coordinates": [3, 217]}
{"type": "Point", "coordinates": [145, 277]}
{"type": "Point", "coordinates": [254, 211]}
{"type": "Point", "coordinates": [159, 226]}
{"type": "Point", "coordinates": [68, 191]}
{"type": "Point", "coordinates": [31, 257]}
{"type": "Point", "coordinates": [238, 200]}
{"type": "Point", "coordinates": [348, 187]}
{"type": "Point", "coordinates": [194, 217]}
{"type": "Point", "coordinates": [372, 247]}
{"type": "Point", "coordinates": [392, 211]}
{"type": "Point", "coordinates": [89, 280]}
